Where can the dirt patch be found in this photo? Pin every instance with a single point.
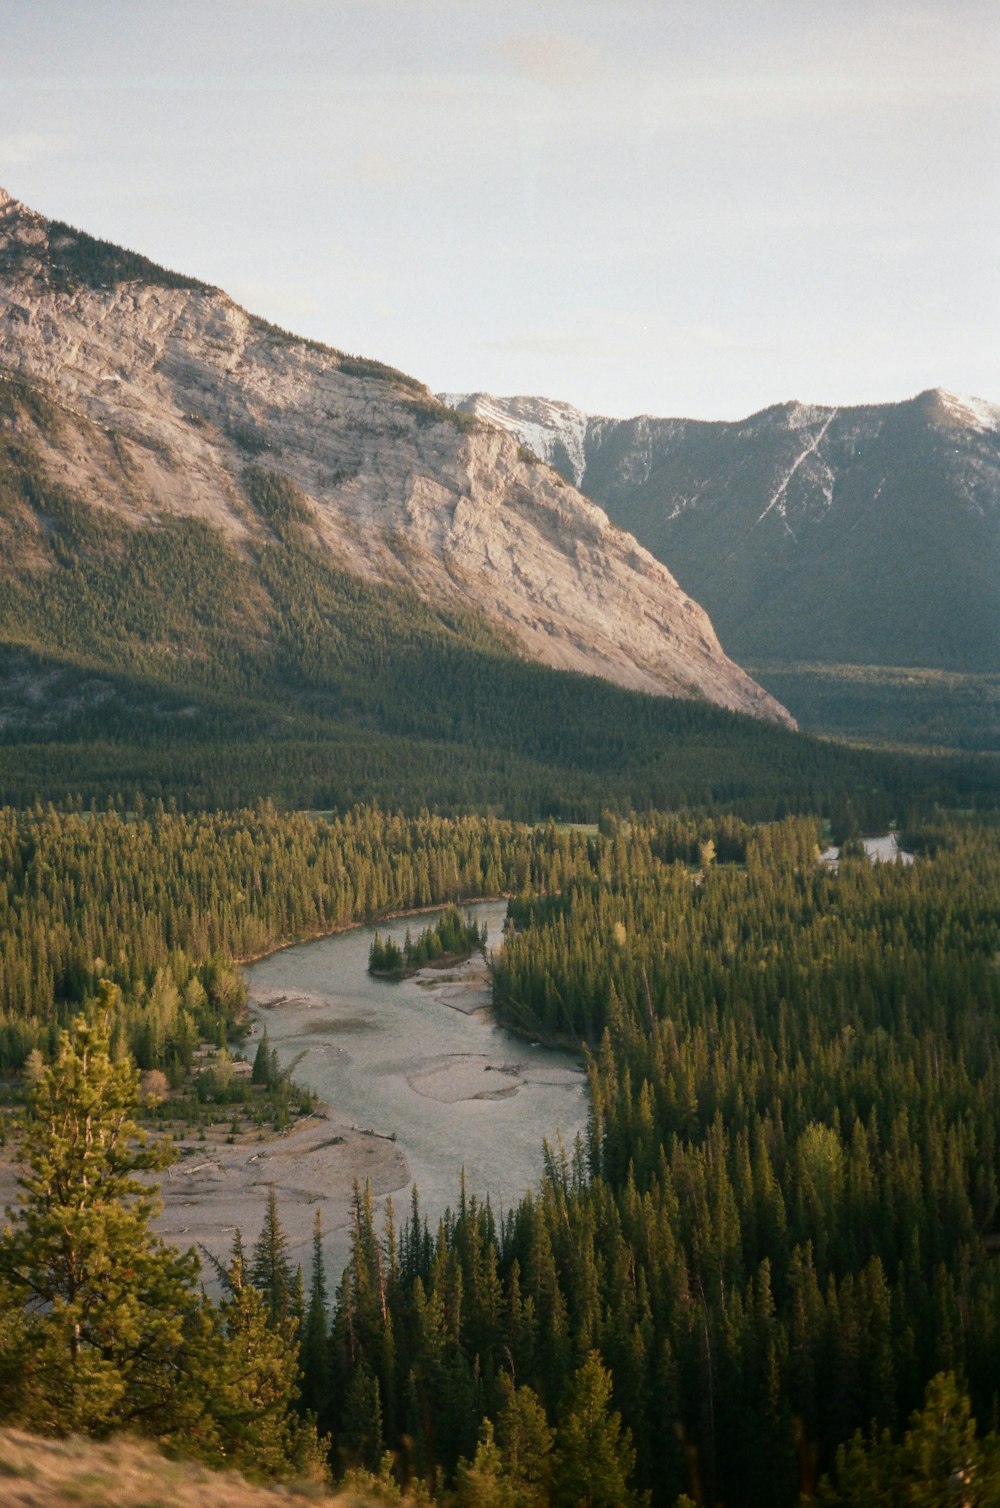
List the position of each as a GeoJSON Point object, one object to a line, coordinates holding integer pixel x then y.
{"type": "Point", "coordinates": [216, 1186]}
{"type": "Point", "coordinates": [214, 1189]}
{"type": "Point", "coordinates": [465, 988]}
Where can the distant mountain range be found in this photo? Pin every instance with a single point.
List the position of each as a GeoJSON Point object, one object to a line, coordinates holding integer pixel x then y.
{"type": "Point", "coordinates": [234, 562]}
{"type": "Point", "coordinates": [864, 537]}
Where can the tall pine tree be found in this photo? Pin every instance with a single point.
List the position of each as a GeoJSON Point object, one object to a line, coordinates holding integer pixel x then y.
{"type": "Point", "coordinates": [270, 1269]}
{"type": "Point", "coordinates": [96, 1304]}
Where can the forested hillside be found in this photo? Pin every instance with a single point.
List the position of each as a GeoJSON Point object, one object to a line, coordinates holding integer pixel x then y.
{"type": "Point", "coordinates": [860, 535]}
{"type": "Point", "coordinates": [780, 1230]}
{"type": "Point", "coordinates": [784, 1222]}
{"type": "Point", "coordinates": [160, 904]}
{"type": "Point", "coordinates": [178, 663]}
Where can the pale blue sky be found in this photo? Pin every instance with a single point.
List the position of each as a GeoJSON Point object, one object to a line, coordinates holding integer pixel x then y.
{"type": "Point", "coordinates": [689, 207]}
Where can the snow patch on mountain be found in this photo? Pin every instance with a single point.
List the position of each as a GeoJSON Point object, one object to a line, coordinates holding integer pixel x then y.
{"type": "Point", "coordinates": [805, 415]}
{"type": "Point", "coordinates": [973, 413]}
{"type": "Point", "coordinates": [542, 425]}
{"type": "Point", "coordinates": [779, 497]}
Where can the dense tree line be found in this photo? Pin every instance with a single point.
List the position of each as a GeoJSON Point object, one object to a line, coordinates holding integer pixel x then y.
{"type": "Point", "coordinates": [886, 704]}
{"type": "Point", "coordinates": [73, 258]}
{"type": "Point", "coordinates": [451, 937]}
{"type": "Point", "coordinates": [159, 903]}
{"type": "Point", "coordinates": [783, 1224]}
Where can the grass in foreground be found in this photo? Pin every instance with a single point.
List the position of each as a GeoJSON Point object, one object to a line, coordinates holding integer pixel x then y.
{"type": "Point", "coordinates": [124, 1473]}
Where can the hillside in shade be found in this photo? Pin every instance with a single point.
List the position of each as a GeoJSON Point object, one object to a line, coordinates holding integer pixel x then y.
{"type": "Point", "coordinates": [848, 554]}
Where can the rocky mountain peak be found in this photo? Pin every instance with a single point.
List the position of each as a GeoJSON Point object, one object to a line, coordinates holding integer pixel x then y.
{"type": "Point", "coordinates": [865, 535]}
{"type": "Point", "coordinates": [12, 209]}
{"type": "Point", "coordinates": [170, 393]}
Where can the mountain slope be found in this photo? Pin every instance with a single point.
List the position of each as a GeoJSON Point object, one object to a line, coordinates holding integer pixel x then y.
{"type": "Point", "coordinates": [166, 394]}
{"type": "Point", "coordinates": [170, 658]}
{"type": "Point", "coordinates": [866, 536]}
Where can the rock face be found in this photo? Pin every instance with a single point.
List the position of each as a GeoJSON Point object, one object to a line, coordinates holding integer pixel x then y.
{"type": "Point", "coordinates": [866, 535]}
{"type": "Point", "coordinates": [173, 390]}
{"type": "Point", "coordinates": [555, 432]}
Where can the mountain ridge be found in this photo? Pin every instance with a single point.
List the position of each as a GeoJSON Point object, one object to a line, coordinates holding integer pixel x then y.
{"type": "Point", "coordinates": [864, 535]}
{"type": "Point", "coordinates": [182, 390]}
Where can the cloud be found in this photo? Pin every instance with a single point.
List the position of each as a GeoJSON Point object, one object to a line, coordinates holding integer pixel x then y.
{"type": "Point", "coordinates": [555, 58]}
{"type": "Point", "coordinates": [592, 334]}
{"type": "Point", "coordinates": [892, 247]}
{"type": "Point", "coordinates": [703, 337]}
{"type": "Point", "coordinates": [616, 334]}
{"type": "Point", "coordinates": [23, 147]}
{"type": "Point", "coordinates": [377, 167]}
{"type": "Point", "coordinates": [575, 344]}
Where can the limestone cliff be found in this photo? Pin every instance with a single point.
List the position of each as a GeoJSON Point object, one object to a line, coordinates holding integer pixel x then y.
{"type": "Point", "coordinates": [172, 390]}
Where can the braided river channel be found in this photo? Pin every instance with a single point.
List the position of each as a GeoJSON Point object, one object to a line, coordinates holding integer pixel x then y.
{"type": "Point", "coordinates": [421, 1062]}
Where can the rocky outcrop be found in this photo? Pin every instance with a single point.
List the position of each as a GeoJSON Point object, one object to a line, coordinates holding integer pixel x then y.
{"type": "Point", "coordinates": [173, 390]}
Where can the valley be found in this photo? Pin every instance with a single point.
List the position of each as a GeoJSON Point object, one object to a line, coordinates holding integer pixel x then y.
{"type": "Point", "coordinates": [687, 1195]}
{"type": "Point", "coordinates": [420, 1061]}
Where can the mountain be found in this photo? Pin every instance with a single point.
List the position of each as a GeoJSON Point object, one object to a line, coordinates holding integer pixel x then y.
{"type": "Point", "coordinates": [557, 433]}
{"type": "Point", "coordinates": [863, 538]}
{"type": "Point", "coordinates": [235, 563]}
{"type": "Point", "coordinates": [164, 396]}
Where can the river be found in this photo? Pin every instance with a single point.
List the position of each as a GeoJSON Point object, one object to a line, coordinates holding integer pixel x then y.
{"type": "Point", "coordinates": [422, 1061]}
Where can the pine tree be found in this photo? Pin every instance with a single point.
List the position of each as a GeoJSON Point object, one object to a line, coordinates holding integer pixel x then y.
{"type": "Point", "coordinates": [525, 1442]}
{"type": "Point", "coordinates": [361, 1438]}
{"type": "Point", "coordinates": [251, 1390]}
{"type": "Point", "coordinates": [270, 1270]}
{"type": "Point", "coordinates": [297, 1302]}
{"type": "Point", "coordinates": [98, 1303]}
{"type": "Point", "coordinates": [315, 1352]}
{"type": "Point", "coordinates": [593, 1456]}
{"type": "Point", "coordinates": [260, 1073]}
{"type": "Point", "coordinates": [484, 1483]}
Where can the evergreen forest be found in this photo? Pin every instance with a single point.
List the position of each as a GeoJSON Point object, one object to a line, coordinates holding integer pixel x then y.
{"type": "Point", "coordinates": [449, 940]}
{"type": "Point", "coordinates": [768, 1276]}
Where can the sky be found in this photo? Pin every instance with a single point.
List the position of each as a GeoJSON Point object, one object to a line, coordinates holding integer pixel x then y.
{"type": "Point", "coordinates": [677, 207]}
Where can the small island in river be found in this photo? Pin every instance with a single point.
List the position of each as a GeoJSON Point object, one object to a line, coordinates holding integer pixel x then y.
{"type": "Point", "coordinates": [452, 939]}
